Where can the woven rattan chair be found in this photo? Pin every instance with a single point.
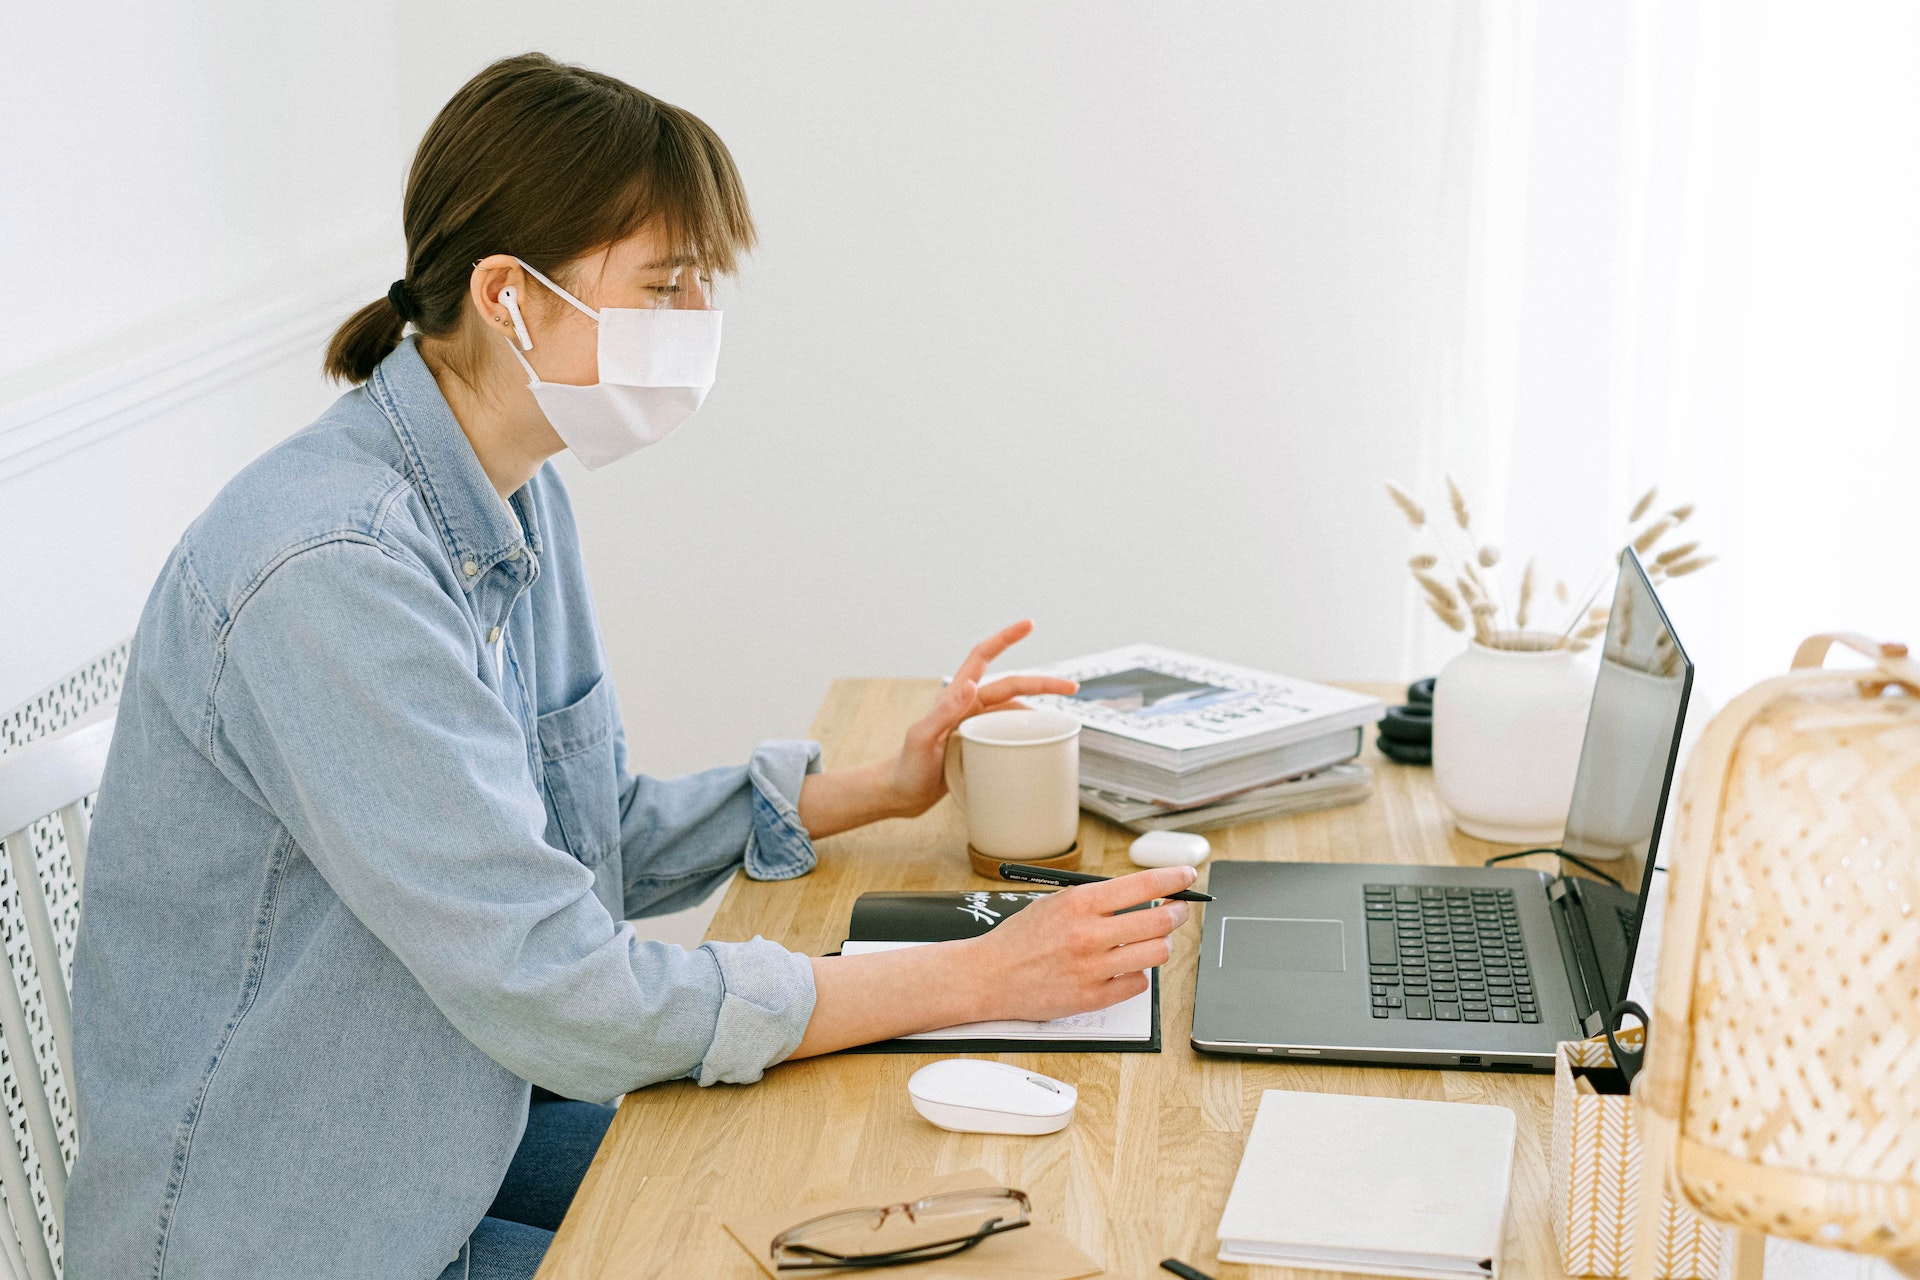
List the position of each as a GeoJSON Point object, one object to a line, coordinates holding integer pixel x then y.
{"type": "Point", "coordinates": [1782, 1089]}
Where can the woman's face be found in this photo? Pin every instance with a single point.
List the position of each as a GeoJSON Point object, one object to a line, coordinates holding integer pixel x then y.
{"type": "Point", "coordinates": [637, 272]}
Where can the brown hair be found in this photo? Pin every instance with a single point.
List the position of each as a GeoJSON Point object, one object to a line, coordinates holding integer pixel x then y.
{"type": "Point", "coordinates": [546, 162]}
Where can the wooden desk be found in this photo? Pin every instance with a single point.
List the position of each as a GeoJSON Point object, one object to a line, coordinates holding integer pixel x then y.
{"type": "Point", "coordinates": [1143, 1171]}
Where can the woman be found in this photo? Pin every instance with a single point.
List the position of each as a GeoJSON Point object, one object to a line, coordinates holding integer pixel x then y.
{"type": "Point", "coordinates": [352, 930]}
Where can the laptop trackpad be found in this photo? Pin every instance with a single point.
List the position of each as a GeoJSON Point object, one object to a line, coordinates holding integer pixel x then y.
{"type": "Point", "coordinates": [1258, 942]}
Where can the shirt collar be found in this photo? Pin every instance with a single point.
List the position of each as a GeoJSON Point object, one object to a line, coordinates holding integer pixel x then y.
{"type": "Point", "coordinates": [478, 529]}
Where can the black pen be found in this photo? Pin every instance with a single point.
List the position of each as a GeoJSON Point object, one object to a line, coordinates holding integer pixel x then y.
{"type": "Point", "coordinates": [1067, 879]}
{"type": "Point", "coordinates": [1182, 1270]}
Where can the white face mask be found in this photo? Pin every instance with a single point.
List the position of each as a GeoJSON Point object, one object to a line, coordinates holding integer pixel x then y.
{"type": "Point", "coordinates": [656, 366]}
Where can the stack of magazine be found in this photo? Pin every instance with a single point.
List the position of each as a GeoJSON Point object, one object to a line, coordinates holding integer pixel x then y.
{"type": "Point", "coordinates": [1174, 742]}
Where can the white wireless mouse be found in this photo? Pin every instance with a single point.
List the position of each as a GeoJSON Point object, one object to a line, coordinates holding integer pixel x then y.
{"type": "Point", "coordinates": [973, 1095]}
{"type": "Point", "coordinates": [1169, 849]}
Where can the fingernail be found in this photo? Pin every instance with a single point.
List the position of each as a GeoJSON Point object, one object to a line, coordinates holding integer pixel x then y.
{"type": "Point", "coordinates": [1179, 912]}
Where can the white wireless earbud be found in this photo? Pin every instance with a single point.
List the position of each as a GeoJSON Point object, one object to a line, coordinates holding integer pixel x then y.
{"type": "Point", "coordinates": [511, 301]}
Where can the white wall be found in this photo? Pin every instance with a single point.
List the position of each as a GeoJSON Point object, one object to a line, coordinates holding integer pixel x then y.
{"type": "Point", "coordinates": [1112, 315]}
{"type": "Point", "coordinates": [164, 160]}
{"type": "Point", "coordinates": [172, 177]}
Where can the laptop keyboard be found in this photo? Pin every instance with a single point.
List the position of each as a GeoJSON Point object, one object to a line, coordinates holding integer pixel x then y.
{"type": "Point", "coordinates": [1447, 954]}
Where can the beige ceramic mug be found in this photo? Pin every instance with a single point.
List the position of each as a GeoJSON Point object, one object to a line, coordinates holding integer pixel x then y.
{"type": "Point", "coordinates": [1016, 777]}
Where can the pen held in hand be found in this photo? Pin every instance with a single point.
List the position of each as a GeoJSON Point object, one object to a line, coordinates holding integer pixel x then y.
{"type": "Point", "coordinates": [1067, 879]}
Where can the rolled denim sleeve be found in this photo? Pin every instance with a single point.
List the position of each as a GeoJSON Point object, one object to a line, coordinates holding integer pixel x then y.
{"type": "Point", "coordinates": [768, 1002]}
{"type": "Point", "coordinates": [680, 837]}
{"type": "Point", "coordinates": [350, 698]}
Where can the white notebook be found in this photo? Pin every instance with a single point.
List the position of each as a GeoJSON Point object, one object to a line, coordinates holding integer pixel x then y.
{"type": "Point", "coordinates": [1384, 1186]}
{"type": "Point", "coordinates": [1131, 1019]}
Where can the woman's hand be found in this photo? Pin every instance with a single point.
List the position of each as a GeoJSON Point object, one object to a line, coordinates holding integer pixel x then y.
{"type": "Point", "coordinates": [919, 774]}
{"type": "Point", "coordinates": [913, 781]}
{"type": "Point", "coordinates": [1067, 953]}
{"type": "Point", "coordinates": [1070, 952]}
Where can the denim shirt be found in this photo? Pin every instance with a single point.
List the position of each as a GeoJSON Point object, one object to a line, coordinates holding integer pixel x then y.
{"type": "Point", "coordinates": [361, 864]}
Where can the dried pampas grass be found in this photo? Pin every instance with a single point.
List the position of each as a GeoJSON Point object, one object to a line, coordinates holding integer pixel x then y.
{"type": "Point", "coordinates": [1475, 596]}
{"type": "Point", "coordinates": [1686, 567]}
{"type": "Point", "coordinates": [1451, 617]}
{"type": "Point", "coordinates": [1652, 535]}
{"type": "Point", "coordinates": [1442, 595]}
{"type": "Point", "coordinates": [1459, 502]}
{"type": "Point", "coordinates": [1415, 513]}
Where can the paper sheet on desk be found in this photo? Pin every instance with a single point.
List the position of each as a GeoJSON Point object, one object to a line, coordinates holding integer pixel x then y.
{"type": "Point", "coordinates": [1036, 1252]}
{"type": "Point", "coordinates": [1131, 1019]}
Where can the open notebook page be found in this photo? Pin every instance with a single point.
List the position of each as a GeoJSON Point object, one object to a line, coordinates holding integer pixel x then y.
{"type": "Point", "coordinates": [1131, 1019]}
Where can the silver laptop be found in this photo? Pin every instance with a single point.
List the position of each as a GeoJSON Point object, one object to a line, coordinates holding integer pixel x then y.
{"type": "Point", "coordinates": [1478, 967]}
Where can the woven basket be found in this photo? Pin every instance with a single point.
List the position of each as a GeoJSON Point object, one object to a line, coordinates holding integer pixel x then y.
{"type": "Point", "coordinates": [1783, 1078]}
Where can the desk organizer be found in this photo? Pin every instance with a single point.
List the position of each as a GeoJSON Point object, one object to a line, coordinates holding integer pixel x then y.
{"type": "Point", "coordinates": [1596, 1182]}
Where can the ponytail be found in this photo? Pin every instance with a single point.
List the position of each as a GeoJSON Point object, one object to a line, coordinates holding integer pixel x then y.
{"type": "Point", "coordinates": [368, 337]}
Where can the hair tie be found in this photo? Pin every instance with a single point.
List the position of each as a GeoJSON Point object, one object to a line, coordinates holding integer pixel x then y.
{"type": "Point", "coordinates": [400, 300]}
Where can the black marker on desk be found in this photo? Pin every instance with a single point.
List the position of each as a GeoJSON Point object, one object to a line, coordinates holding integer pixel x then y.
{"type": "Point", "coordinates": [1182, 1270]}
{"type": "Point", "coordinates": [1067, 879]}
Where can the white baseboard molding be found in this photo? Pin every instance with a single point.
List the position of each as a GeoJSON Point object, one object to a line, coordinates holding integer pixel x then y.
{"type": "Point", "coordinates": [41, 427]}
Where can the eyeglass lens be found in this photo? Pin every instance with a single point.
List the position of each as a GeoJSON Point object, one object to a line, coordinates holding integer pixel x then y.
{"type": "Point", "coordinates": [904, 1228]}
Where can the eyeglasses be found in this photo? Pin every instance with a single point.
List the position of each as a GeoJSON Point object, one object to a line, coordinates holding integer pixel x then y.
{"type": "Point", "coordinates": [933, 1227]}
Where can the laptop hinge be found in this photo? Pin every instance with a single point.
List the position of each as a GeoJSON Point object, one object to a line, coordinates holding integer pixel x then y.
{"type": "Point", "coordinates": [1577, 953]}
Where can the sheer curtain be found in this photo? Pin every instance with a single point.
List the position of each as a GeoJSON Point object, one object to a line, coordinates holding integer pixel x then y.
{"type": "Point", "coordinates": [1691, 243]}
{"type": "Point", "coordinates": [1691, 232]}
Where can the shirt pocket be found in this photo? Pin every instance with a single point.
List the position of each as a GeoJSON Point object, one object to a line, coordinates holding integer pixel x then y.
{"type": "Point", "coordinates": [583, 783]}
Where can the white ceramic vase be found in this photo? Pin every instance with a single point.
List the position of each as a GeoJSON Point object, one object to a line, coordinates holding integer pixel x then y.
{"type": "Point", "coordinates": [1507, 729]}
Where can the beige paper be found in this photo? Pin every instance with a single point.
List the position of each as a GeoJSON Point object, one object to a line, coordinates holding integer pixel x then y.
{"type": "Point", "coordinates": [1034, 1252]}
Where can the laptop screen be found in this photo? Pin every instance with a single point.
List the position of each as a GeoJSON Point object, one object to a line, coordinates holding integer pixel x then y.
{"type": "Point", "coordinates": [1626, 769]}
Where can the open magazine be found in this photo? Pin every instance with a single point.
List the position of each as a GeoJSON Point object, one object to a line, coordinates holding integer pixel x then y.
{"type": "Point", "coordinates": [1175, 711]}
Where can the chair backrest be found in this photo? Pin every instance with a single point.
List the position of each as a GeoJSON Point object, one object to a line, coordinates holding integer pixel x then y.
{"type": "Point", "coordinates": [1785, 1052]}
{"type": "Point", "coordinates": [49, 779]}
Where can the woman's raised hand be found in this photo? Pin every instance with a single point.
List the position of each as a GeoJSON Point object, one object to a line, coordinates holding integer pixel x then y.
{"type": "Point", "coordinates": [917, 779]}
{"type": "Point", "coordinates": [1071, 953]}
{"type": "Point", "coordinates": [911, 782]}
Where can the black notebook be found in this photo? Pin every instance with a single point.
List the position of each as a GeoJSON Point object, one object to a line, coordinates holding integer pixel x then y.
{"type": "Point", "coordinates": [883, 921]}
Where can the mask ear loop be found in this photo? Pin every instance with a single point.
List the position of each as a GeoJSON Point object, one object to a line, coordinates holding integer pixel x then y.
{"type": "Point", "coordinates": [511, 301]}
{"type": "Point", "coordinates": [534, 272]}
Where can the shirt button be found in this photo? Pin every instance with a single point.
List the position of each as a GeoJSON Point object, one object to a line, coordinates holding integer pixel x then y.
{"type": "Point", "coordinates": [514, 554]}
{"type": "Point", "coordinates": [493, 636]}
{"type": "Point", "coordinates": [469, 568]}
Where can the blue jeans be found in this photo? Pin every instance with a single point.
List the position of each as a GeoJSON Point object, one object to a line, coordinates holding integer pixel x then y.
{"type": "Point", "coordinates": [546, 1170]}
